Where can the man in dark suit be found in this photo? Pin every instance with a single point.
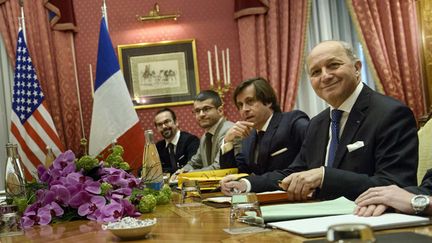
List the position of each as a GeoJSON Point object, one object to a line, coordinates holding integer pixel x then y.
{"type": "Point", "coordinates": [270, 139]}
{"type": "Point", "coordinates": [412, 200]}
{"type": "Point", "coordinates": [364, 139]}
{"type": "Point", "coordinates": [177, 147]}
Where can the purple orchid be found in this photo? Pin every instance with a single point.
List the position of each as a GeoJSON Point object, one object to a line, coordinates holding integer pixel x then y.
{"type": "Point", "coordinates": [110, 212]}
{"type": "Point", "coordinates": [41, 216]}
{"type": "Point", "coordinates": [69, 189]}
{"type": "Point", "coordinates": [88, 209]}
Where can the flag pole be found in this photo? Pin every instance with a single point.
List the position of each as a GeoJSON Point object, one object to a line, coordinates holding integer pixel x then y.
{"type": "Point", "coordinates": [21, 22]}
{"type": "Point", "coordinates": [77, 86]}
{"type": "Point", "coordinates": [105, 13]}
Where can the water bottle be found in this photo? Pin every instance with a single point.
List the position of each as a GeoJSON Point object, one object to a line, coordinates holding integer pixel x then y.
{"type": "Point", "coordinates": [152, 168]}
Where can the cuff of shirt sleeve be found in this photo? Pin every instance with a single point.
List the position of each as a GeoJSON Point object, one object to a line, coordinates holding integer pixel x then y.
{"type": "Point", "coordinates": [323, 173]}
{"type": "Point", "coordinates": [248, 184]}
{"type": "Point", "coordinates": [226, 147]}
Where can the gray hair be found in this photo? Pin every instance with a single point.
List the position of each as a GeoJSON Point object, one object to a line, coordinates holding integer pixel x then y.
{"type": "Point", "coordinates": [349, 50]}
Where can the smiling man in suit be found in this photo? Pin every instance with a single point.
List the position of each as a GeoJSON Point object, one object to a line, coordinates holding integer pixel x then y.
{"type": "Point", "coordinates": [270, 139]}
{"type": "Point", "coordinates": [177, 147]}
{"type": "Point", "coordinates": [364, 139]}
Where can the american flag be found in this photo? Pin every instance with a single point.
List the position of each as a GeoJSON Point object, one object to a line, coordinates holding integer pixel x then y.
{"type": "Point", "coordinates": [32, 127]}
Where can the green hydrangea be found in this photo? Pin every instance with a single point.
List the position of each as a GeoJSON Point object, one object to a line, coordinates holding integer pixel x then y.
{"type": "Point", "coordinates": [147, 204]}
{"type": "Point", "coordinates": [115, 158]}
{"type": "Point", "coordinates": [162, 198]}
{"type": "Point", "coordinates": [105, 187]}
{"type": "Point", "coordinates": [87, 163]}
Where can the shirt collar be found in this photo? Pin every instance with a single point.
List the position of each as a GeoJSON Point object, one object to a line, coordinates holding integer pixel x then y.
{"type": "Point", "coordinates": [348, 104]}
{"type": "Point", "coordinates": [266, 124]}
{"type": "Point", "coordinates": [212, 129]}
{"type": "Point", "coordinates": [175, 140]}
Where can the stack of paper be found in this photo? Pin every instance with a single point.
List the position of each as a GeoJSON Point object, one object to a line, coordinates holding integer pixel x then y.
{"type": "Point", "coordinates": [313, 227]}
{"type": "Point", "coordinates": [307, 210]}
{"type": "Point", "coordinates": [208, 180]}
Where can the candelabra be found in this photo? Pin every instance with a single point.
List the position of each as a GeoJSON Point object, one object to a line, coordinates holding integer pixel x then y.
{"type": "Point", "coordinates": [221, 88]}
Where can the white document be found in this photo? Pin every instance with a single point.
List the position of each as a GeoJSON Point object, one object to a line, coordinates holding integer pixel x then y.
{"type": "Point", "coordinates": [313, 227]}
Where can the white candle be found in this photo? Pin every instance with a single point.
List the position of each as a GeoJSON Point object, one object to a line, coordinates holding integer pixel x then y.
{"type": "Point", "coordinates": [210, 67]}
{"type": "Point", "coordinates": [224, 67]}
{"type": "Point", "coordinates": [228, 67]}
{"type": "Point", "coordinates": [217, 65]}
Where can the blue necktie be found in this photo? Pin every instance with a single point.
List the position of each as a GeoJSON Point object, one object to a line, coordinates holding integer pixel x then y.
{"type": "Point", "coordinates": [335, 127]}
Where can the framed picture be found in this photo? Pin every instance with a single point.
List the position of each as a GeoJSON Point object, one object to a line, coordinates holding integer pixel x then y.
{"type": "Point", "coordinates": [160, 74]}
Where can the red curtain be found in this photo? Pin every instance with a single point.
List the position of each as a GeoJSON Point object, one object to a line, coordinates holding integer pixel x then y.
{"type": "Point", "coordinates": [53, 57]}
{"type": "Point", "coordinates": [272, 40]}
{"type": "Point", "coordinates": [390, 32]}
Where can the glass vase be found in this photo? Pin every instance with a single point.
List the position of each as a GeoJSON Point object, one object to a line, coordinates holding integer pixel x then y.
{"type": "Point", "coordinates": [14, 173]}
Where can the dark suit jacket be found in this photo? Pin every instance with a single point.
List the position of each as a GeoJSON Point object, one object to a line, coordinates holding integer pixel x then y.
{"type": "Point", "coordinates": [279, 147]}
{"type": "Point", "coordinates": [185, 149]}
{"type": "Point", "coordinates": [389, 155]}
{"type": "Point", "coordinates": [425, 187]}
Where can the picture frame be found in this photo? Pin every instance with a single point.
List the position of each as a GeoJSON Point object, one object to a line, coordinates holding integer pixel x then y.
{"type": "Point", "coordinates": [160, 74]}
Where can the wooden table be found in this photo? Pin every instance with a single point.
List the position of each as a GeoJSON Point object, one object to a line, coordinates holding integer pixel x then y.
{"type": "Point", "coordinates": [175, 224]}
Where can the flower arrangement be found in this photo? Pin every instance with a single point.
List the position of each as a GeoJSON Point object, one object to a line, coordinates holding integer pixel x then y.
{"type": "Point", "coordinates": [86, 188]}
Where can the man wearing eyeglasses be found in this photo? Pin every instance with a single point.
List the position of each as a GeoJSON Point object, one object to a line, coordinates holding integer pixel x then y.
{"type": "Point", "coordinates": [177, 147]}
{"type": "Point", "coordinates": [208, 111]}
{"type": "Point", "coordinates": [270, 139]}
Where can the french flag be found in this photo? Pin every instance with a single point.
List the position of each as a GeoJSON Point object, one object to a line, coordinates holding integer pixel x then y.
{"type": "Point", "coordinates": [114, 117]}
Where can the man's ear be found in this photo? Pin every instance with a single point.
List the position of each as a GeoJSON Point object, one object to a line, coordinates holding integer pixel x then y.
{"type": "Point", "coordinates": [220, 110]}
{"type": "Point", "coordinates": [358, 66]}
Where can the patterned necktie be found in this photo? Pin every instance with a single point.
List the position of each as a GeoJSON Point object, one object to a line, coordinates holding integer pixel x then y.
{"type": "Point", "coordinates": [172, 156]}
{"type": "Point", "coordinates": [208, 143]}
{"type": "Point", "coordinates": [335, 127]}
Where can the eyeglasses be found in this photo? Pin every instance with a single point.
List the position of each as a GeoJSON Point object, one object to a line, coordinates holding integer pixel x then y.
{"type": "Point", "coordinates": [205, 110]}
{"type": "Point", "coordinates": [167, 122]}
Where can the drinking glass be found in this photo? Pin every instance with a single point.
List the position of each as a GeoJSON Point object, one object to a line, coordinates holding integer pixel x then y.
{"type": "Point", "coordinates": [352, 233]}
{"type": "Point", "coordinates": [190, 190]}
{"type": "Point", "coordinates": [245, 212]}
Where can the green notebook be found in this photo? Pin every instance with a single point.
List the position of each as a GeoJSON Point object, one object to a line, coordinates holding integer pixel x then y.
{"type": "Point", "coordinates": [307, 210]}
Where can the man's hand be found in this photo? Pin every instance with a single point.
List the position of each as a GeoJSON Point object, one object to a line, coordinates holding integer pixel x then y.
{"type": "Point", "coordinates": [241, 129]}
{"type": "Point", "coordinates": [230, 185]}
{"type": "Point", "coordinates": [300, 185]}
{"type": "Point", "coordinates": [388, 196]}
{"type": "Point", "coordinates": [370, 210]}
{"type": "Point", "coordinates": [174, 177]}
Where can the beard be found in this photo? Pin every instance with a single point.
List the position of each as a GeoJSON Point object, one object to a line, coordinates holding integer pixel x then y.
{"type": "Point", "coordinates": [167, 133]}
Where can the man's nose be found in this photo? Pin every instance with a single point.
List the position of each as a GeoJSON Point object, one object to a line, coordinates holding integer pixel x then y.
{"type": "Point", "coordinates": [326, 74]}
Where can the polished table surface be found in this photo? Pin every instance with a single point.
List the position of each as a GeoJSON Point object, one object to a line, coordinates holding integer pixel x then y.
{"type": "Point", "coordinates": [174, 224]}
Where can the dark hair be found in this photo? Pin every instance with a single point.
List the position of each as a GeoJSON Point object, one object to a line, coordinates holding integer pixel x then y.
{"type": "Point", "coordinates": [263, 92]}
{"type": "Point", "coordinates": [209, 94]}
{"type": "Point", "coordinates": [173, 115]}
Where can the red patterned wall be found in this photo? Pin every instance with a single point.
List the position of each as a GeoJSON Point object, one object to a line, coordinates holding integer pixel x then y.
{"type": "Point", "coordinates": [209, 22]}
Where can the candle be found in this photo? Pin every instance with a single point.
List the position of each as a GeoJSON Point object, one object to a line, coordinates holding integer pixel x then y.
{"type": "Point", "coordinates": [228, 67]}
{"type": "Point", "coordinates": [217, 65]}
{"type": "Point", "coordinates": [224, 67]}
{"type": "Point", "coordinates": [210, 68]}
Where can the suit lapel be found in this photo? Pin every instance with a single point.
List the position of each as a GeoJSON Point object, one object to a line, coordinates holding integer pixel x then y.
{"type": "Point", "coordinates": [321, 136]}
{"type": "Point", "coordinates": [215, 140]}
{"type": "Point", "coordinates": [250, 143]}
{"type": "Point", "coordinates": [353, 123]}
{"type": "Point", "coordinates": [265, 144]}
{"type": "Point", "coordinates": [179, 146]}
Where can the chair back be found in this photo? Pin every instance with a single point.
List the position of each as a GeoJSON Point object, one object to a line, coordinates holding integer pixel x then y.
{"type": "Point", "coordinates": [425, 150]}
